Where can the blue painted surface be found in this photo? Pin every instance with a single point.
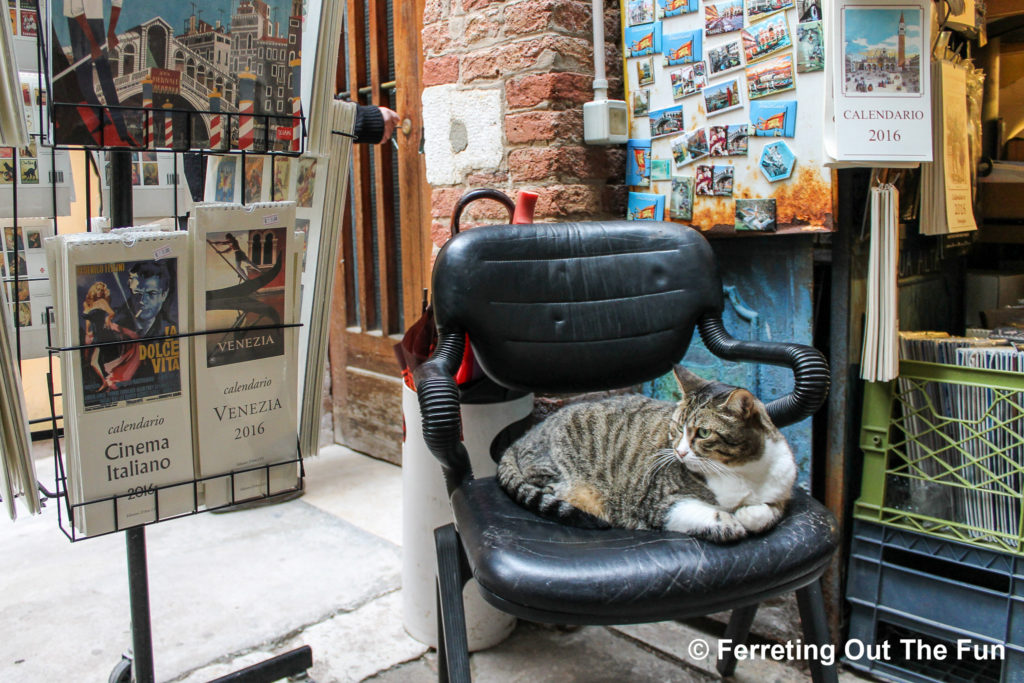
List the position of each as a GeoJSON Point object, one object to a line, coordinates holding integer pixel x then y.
{"type": "Point", "coordinates": [768, 284]}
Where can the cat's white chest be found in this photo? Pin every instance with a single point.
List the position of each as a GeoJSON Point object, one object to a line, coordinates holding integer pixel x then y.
{"type": "Point", "coordinates": [767, 480]}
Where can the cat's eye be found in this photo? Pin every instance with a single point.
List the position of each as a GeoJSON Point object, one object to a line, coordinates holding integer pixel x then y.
{"type": "Point", "coordinates": [703, 433]}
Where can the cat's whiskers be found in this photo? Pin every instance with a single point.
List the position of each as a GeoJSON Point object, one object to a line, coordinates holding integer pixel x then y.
{"type": "Point", "coordinates": [662, 459]}
{"type": "Point", "coordinates": [709, 466]}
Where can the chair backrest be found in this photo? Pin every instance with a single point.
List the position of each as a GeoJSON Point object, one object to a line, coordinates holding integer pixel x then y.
{"type": "Point", "coordinates": [566, 307]}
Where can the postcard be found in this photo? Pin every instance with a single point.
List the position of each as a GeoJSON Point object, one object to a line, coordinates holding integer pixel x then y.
{"type": "Point", "coordinates": [776, 118]}
{"type": "Point", "coordinates": [282, 175]}
{"type": "Point", "coordinates": [29, 172]}
{"type": "Point", "coordinates": [755, 214]}
{"type": "Point", "coordinates": [643, 40]}
{"type": "Point", "coordinates": [674, 8]}
{"type": "Point", "coordinates": [666, 121]}
{"type": "Point", "coordinates": [882, 52]}
{"type": "Point", "coordinates": [777, 161]}
{"type": "Point", "coordinates": [727, 141]}
{"type": "Point", "coordinates": [765, 37]}
{"type": "Point", "coordinates": [759, 8]}
{"type": "Point", "coordinates": [150, 173]}
{"type": "Point", "coordinates": [689, 147]}
{"type": "Point", "coordinates": [723, 16]}
{"type": "Point", "coordinates": [688, 80]}
{"type": "Point", "coordinates": [714, 181]}
{"type": "Point", "coordinates": [638, 162]}
{"type": "Point", "coordinates": [645, 206]}
{"type": "Point", "coordinates": [810, 47]}
{"type": "Point", "coordinates": [640, 12]}
{"type": "Point", "coordinates": [305, 181]}
{"type": "Point", "coordinates": [770, 77]}
{"type": "Point", "coordinates": [645, 71]}
{"type": "Point", "coordinates": [641, 101]}
{"type": "Point", "coordinates": [165, 43]}
{"type": "Point", "coordinates": [681, 200]}
{"type": "Point", "coordinates": [683, 48]}
{"type": "Point", "coordinates": [722, 97]}
{"type": "Point", "coordinates": [725, 58]}
{"type": "Point", "coordinates": [808, 10]}
{"type": "Point", "coordinates": [224, 190]}
{"type": "Point", "coordinates": [661, 169]}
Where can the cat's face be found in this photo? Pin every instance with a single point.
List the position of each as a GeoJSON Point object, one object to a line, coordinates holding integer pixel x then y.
{"type": "Point", "coordinates": [716, 427]}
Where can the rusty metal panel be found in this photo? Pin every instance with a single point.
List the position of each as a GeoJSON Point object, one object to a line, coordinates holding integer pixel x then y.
{"type": "Point", "coordinates": [768, 286]}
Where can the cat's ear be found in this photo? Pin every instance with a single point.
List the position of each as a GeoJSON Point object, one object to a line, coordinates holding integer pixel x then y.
{"type": "Point", "coordinates": [742, 403]}
{"type": "Point", "coordinates": [687, 381]}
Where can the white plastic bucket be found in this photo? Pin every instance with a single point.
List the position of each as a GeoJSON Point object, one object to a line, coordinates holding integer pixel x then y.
{"type": "Point", "coordinates": [425, 507]}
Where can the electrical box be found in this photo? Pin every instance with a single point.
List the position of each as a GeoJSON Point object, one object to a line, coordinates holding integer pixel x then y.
{"type": "Point", "coordinates": [605, 122]}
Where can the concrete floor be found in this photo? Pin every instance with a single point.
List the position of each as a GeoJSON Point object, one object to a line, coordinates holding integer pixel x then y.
{"type": "Point", "coordinates": [229, 590]}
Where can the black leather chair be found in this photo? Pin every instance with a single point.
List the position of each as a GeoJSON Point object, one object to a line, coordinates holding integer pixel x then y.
{"type": "Point", "coordinates": [588, 306]}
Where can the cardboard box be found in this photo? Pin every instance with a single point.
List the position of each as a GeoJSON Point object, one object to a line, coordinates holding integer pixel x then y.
{"type": "Point", "coordinates": [990, 289]}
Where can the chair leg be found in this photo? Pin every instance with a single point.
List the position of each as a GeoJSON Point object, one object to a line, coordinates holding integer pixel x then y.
{"type": "Point", "coordinates": [452, 643]}
{"type": "Point", "coordinates": [815, 626]}
{"type": "Point", "coordinates": [736, 632]}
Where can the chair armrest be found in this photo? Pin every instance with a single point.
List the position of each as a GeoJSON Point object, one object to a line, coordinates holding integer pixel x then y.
{"type": "Point", "coordinates": [439, 409]}
{"type": "Point", "coordinates": [810, 369]}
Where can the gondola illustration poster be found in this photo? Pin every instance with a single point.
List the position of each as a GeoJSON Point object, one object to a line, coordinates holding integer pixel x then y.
{"type": "Point", "coordinates": [129, 302]}
{"type": "Point", "coordinates": [245, 287]}
{"type": "Point", "coordinates": [126, 74]}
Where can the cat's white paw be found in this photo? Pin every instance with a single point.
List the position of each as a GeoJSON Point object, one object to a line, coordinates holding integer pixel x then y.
{"type": "Point", "coordinates": [725, 528]}
{"type": "Point", "coordinates": [699, 519]}
{"type": "Point", "coordinates": [755, 518]}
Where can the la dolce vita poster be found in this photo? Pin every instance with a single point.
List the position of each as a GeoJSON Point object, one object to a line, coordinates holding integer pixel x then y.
{"type": "Point", "coordinates": [881, 81]}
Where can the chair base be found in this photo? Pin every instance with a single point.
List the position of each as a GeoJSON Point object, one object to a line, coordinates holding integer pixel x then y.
{"type": "Point", "coordinates": [453, 650]}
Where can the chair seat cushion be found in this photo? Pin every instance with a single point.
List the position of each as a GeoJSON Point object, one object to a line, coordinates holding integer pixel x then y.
{"type": "Point", "coordinates": [546, 571]}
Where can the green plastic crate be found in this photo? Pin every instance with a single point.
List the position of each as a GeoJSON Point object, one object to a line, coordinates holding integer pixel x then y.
{"type": "Point", "coordinates": [944, 454]}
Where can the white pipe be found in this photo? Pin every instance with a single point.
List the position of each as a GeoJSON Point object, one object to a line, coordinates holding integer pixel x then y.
{"type": "Point", "coordinates": [600, 76]}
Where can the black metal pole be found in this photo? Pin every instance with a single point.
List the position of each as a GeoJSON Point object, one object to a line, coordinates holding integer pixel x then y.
{"type": "Point", "coordinates": [135, 538]}
{"type": "Point", "coordinates": [138, 597]}
{"type": "Point", "coordinates": [120, 189]}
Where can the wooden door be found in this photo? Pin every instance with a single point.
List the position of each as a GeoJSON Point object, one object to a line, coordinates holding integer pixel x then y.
{"type": "Point", "coordinates": [385, 244]}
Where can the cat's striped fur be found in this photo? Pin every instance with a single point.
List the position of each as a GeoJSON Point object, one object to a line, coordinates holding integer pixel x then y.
{"type": "Point", "coordinates": [712, 465]}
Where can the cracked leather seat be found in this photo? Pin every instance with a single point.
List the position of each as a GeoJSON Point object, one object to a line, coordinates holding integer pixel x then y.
{"type": "Point", "coordinates": [538, 568]}
{"type": "Point", "coordinates": [573, 307]}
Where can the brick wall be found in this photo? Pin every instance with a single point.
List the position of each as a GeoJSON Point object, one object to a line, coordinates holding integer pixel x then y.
{"type": "Point", "coordinates": [504, 87]}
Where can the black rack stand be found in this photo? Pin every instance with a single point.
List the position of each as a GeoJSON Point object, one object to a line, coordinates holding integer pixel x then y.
{"type": "Point", "coordinates": [138, 666]}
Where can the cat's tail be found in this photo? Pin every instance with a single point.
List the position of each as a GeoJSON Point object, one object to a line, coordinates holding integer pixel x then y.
{"type": "Point", "coordinates": [537, 499]}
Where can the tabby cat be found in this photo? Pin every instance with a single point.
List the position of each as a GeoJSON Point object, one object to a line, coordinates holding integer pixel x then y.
{"type": "Point", "coordinates": [712, 465]}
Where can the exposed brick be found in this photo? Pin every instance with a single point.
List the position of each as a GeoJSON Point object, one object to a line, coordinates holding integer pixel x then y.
{"type": "Point", "coordinates": [532, 89]}
{"type": "Point", "coordinates": [547, 53]}
{"type": "Point", "coordinates": [436, 38]}
{"type": "Point", "coordinates": [434, 10]}
{"type": "Point", "coordinates": [482, 64]}
{"type": "Point", "coordinates": [530, 16]}
{"type": "Point", "coordinates": [470, 5]}
{"type": "Point", "coordinates": [560, 201]}
{"type": "Point", "coordinates": [485, 209]}
{"type": "Point", "coordinates": [614, 163]}
{"type": "Point", "coordinates": [544, 126]}
{"type": "Point", "coordinates": [614, 200]}
{"type": "Point", "coordinates": [440, 232]}
{"type": "Point", "coordinates": [538, 163]}
{"type": "Point", "coordinates": [573, 18]}
{"type": "Point", "coordinates": [487, 179]}
{"type": "Point", "coordinates": [482, 28]}
{"type": "Point", "coordinates": [440, 70]}
{"type": "Point", "coordinates": [443, 200]}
